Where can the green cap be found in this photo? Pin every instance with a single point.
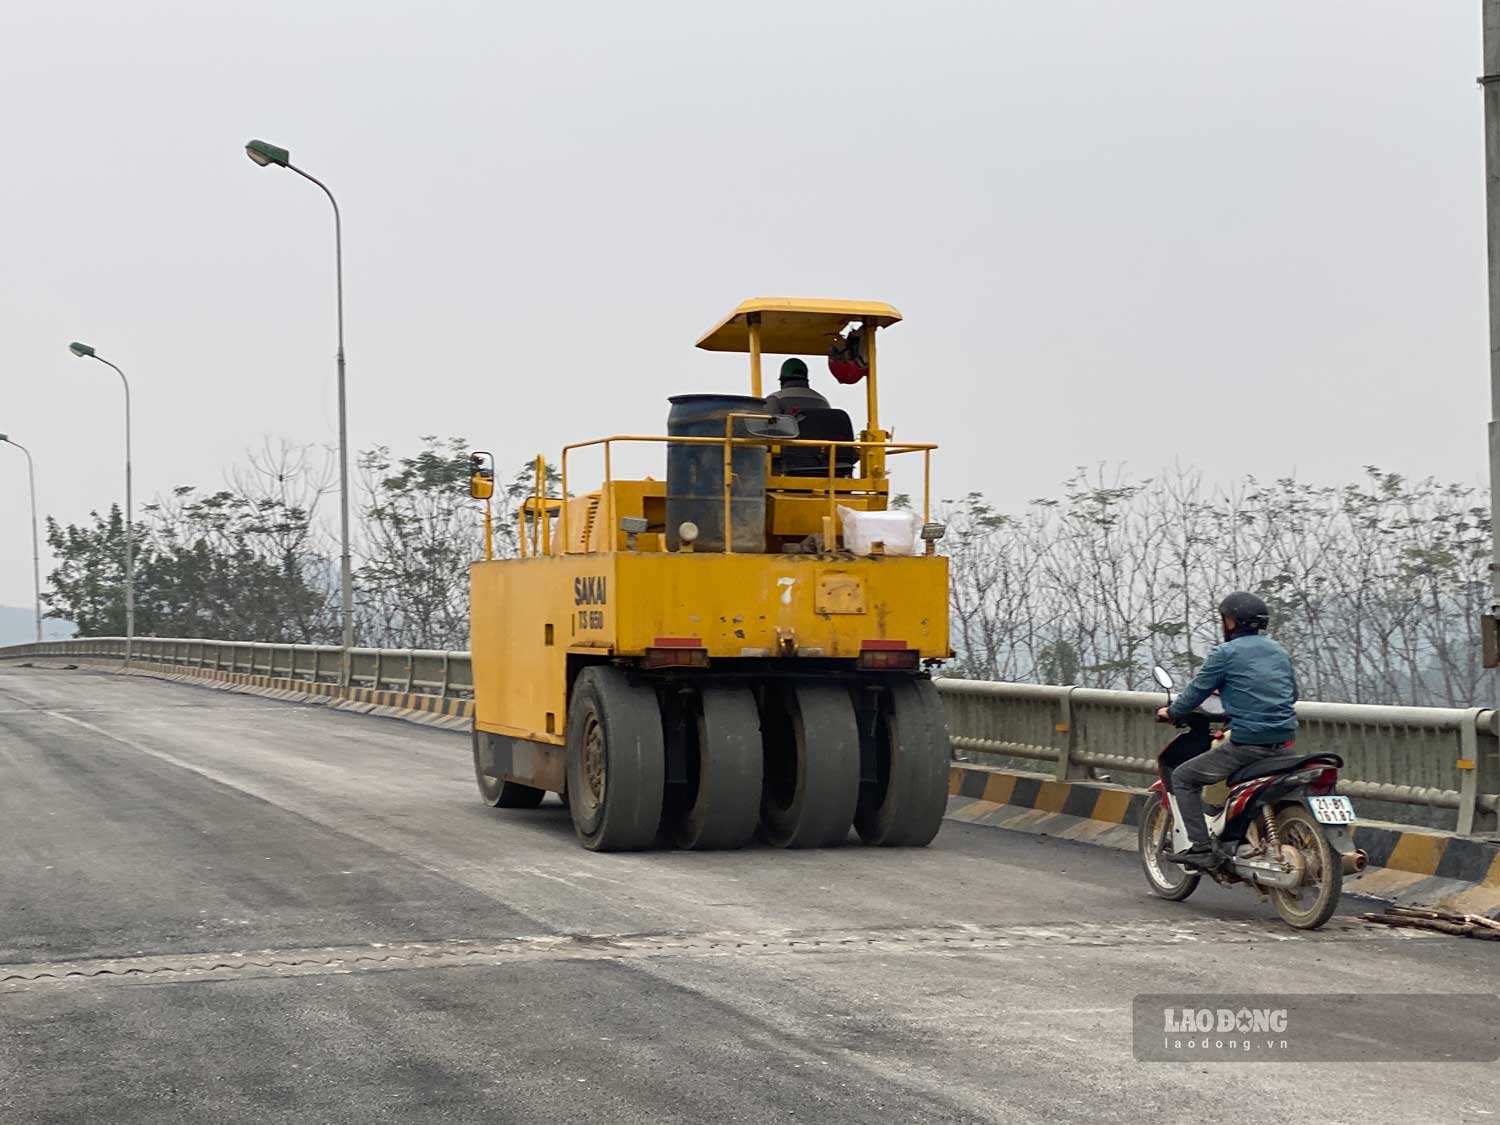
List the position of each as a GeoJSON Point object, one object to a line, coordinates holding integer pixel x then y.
{"type": "Point", "coordinates": [794, 371]}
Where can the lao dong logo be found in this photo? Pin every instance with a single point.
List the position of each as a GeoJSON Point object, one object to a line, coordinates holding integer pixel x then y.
{"type": "Point", "coordinates": [1242, 1021]}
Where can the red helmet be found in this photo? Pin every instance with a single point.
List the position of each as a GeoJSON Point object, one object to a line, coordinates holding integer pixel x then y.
{"type": "Point", "coordinates": [847, 361]}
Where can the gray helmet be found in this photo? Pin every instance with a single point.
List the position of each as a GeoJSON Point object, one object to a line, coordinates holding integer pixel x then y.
{"type": "Point", "coordinates": [1250, 613]}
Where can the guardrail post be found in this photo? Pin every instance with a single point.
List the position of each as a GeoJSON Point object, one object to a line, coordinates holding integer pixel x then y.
{"type": "Point", "coordinates": [379, 653]}
{"type": "Point", "coordinates": [411, 669]}
{"type": "Point", "coordinates": [1479, 746]}
{"type": "Point", "coordinates": [1468, 778]}
{"type": "Point", "coordinates": [447, 679]}
{"type": "Point", "coordinates": [1067, 738]}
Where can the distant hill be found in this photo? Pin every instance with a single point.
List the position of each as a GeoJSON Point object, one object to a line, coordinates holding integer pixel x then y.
{"type": "Point", "coordinates": [18, 626]}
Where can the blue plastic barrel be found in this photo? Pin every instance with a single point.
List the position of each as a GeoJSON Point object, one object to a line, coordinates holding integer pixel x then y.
{"type": "Point", "coordinates": [695, 475]}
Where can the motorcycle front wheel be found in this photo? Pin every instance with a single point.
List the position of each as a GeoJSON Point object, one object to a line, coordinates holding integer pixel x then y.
{"type": "Point", "coordinates": [1168, 880]}
{"type": "Point", "coordinates": [1312, 903]}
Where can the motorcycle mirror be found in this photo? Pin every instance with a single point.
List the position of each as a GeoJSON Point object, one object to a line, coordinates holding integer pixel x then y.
{"type": "Point", "coordinates": [1162, 676]}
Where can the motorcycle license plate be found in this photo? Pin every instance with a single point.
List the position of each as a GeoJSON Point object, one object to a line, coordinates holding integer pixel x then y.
{"type": "Point", "coordinates": [1332, 810]}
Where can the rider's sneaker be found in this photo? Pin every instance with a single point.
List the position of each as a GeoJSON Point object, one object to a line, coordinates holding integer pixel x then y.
{"type": "Point", "coordinates": [1202, 858]}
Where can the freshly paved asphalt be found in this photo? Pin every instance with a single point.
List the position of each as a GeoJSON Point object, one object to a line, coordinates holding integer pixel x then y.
{"type": "Point", "coordinates": [986, 978]}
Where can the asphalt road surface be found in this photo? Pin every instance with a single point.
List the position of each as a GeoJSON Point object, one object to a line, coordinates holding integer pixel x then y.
{"type": "Point", "coordinates": [217, 908]}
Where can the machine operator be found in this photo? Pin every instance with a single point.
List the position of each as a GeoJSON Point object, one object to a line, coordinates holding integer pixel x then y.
{"type": "Point", "coordinates": [795, 395]}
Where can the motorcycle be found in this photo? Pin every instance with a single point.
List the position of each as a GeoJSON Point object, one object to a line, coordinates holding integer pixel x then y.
{"type": "Point", "coordinates": [1282, 829]}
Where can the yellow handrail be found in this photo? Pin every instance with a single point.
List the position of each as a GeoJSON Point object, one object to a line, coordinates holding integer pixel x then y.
{"type": "Point", "coordinates": [728, 441]}
{"type": "Point", "coordinates": [537, 540]}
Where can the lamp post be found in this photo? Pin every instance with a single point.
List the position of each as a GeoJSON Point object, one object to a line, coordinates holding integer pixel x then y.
{"type": "Point", "coordinates": [265, 154]}
{"type": "Point", "coordinates": [36, 555]}
{"type": "Point", "coordinates": [84, 351]}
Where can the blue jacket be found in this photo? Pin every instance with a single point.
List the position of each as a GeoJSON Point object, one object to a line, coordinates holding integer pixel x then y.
{"type": "Point", "coordinates": [1254, 678]}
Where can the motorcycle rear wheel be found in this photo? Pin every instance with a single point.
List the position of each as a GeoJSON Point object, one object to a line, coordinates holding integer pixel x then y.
{"type": "Point", "coordinates": [1167, 880]}
{"type": "Point", "coordinates": [1313, 903]}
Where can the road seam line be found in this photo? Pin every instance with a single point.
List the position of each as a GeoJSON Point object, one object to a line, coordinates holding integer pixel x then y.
{"type": "Point", "coordinates": [957, 939]}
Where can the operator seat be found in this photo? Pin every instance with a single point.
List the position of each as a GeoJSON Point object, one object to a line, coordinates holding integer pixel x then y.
{"type": "Point", "coordinates": [819, 424]}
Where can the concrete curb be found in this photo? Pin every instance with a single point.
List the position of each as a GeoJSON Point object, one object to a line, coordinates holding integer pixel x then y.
{"type": "Point", "coordinates": [1414, 866]}
{"type": "Point", "coordinates": [415, 707]}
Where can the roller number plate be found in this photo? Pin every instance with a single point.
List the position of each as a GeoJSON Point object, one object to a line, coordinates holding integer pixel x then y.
{"type": "Point", "coordinates": [1333, 810]}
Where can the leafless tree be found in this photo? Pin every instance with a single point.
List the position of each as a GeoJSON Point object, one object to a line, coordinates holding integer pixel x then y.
{"type": "Point", "coordinates": [1375, 587]}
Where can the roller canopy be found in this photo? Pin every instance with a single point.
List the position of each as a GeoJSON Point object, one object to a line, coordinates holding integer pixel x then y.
{"type": "Point", "coordinates": [793, 325]}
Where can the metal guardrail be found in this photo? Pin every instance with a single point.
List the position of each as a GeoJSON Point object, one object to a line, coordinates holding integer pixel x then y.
{"type": "Point", "coordinates": [427, 671]}
{"type": "Point", "coordinates": [1429, 765]}
{"type": "Point", "coordinates": [1425, 765]}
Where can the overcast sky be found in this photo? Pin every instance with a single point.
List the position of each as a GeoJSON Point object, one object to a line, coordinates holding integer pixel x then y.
{"type": "Point", "coordinates": [1247, 237]}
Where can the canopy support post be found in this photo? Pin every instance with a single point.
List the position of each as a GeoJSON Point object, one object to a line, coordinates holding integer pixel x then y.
{"type": "Point", "coordinates": [753, 320]}
{"type": "Point", "coordinates": [873, 460]}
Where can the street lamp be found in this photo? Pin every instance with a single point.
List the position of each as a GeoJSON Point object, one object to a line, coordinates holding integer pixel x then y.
{"type": "Point", "coordinates": [36, 555]}
{"type": "Point", "coordinates": [84, 351]}
{"type": "Point", "coordinates": [268, 154]}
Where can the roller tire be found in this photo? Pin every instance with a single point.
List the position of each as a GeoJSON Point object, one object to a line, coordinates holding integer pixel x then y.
{"type": "Point", "coordinates": [501, 794]}
{"type": "Point", "coordinates": [812, 779]}
{"type": "Point", "coordinates": [906, 806]}
{"type": "Point", "coordinates": [616, 761]}
{"type": "Point", "coordinates": [514, 795]}
{"type": "Point", "coordinates": [725, 809]}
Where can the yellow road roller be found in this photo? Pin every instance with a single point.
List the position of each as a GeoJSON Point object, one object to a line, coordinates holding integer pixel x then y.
{"type": "Point", "coordinates": [741, 648]}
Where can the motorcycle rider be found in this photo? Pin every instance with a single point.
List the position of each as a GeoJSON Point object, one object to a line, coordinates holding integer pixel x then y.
{"type": "Point", "coordinates": [1255, 681]}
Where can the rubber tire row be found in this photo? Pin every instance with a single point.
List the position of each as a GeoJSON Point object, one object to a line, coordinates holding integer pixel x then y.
{"type": "Point", "coordinates": [731, 802]}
